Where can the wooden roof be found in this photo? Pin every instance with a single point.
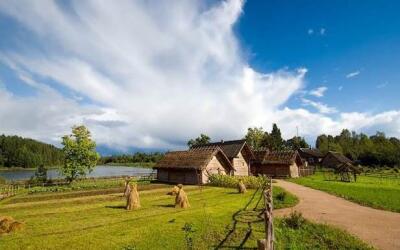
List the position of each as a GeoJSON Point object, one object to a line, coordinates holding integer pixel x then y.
{"type": "Point", "coordinates": [312, 152]}
{"type": "Point", "coordinates": [277, 157]}
{"type": "Point", "coordinates": [348, 167]}
{"type": "Point", "coordinates": [192, 159]}
{"type": "Point", "coordinates": [230, 148]}
{"type": "Point", "coordinates": [340, 158]}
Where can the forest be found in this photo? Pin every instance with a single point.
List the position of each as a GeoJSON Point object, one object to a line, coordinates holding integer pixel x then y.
{"type": "Point", "coordinates": [137, 157]}
{"type": "Point", "coordinates": [375, 150]}
{"type": "Point", "coordinates": [21, 152]}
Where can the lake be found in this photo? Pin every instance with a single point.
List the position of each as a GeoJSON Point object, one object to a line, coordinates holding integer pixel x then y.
{"type": "Point", "coordinates": [99, 171]}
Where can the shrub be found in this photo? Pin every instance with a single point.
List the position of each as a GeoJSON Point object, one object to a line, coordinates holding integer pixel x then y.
{"type": "Point", "coordinates": [233, 181]}
{"type": "Point", "coordinates": [295, 220]}
{"type": "Point", "coordinates": [281, 196]}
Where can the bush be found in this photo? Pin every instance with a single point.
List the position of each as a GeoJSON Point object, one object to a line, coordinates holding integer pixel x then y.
{"type": "Point", "coordinates": [233, 181]}
{"type": "Point", "coordinates": [281, 196]}
{"type": "Point", "coordinates": [295, 220]}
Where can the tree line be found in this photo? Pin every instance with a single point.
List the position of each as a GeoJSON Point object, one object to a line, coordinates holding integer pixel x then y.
{"type": "Point", "coordinates": [16, 151]}
{"type": "Point", "coordinates": [375, 150]}
{"type": "Point", "coordinates": [132, 158]}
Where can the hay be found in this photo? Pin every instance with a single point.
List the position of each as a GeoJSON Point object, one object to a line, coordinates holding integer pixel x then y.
{"type": "Point", "coordinates": [133, 201]}
{"type": "Point", "coordinates": [9, 225]}
{"type": "Point", "coordinates": [241, 187]}
{"type": "Point", "coordinates": [174, 191]}
{"type": "Point", "coordinates": [181, 199]}
{"type": "Point", "coordinates": [127, 190]}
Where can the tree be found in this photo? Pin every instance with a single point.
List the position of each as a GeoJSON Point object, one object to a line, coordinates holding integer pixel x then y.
{"type": "Point", "coordinates": [80, 156]}
{"type": "Point", "coordinates": [41, 173]}
{"type": "Point", "coordinates": [201, 140]}
{"type": "Point", "coordinates": [255, 137]}
{"type": "Point", "coordinates": [274, 139]}
{"type": "Point", "coordinates": [296, 143]}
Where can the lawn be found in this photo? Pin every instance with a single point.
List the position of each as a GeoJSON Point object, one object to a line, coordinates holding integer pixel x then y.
{"type": "Point", "coordinates": [96, 219]}
{"type": "Point", "coordinates": [381, 193]}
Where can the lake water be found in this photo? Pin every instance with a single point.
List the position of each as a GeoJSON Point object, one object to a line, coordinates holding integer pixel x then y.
{"type": "Point", "coordinates": [99, 171]}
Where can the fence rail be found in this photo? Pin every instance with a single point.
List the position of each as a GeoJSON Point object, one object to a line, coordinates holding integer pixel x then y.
{"type": "Point", "coordinates": [268, 242]}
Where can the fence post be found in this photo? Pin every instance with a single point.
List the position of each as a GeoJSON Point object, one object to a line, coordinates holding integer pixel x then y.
{"type": "Point", "coordinates": [268, 242]}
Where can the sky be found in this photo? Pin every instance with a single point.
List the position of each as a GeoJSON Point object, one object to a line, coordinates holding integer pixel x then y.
{"type": "Point", "coordinates": [149, 75]}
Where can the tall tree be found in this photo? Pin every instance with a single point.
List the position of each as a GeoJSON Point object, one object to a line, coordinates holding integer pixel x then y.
{"type": "Point", "coordinates": [274, 139]}
{"type": "Point", "coordinates": [296, 143]}
{"type": "Point", "coordinates": [255, 137]}
{"type": "Point", "coordinates": [80, 156]}
{"type": "Point", "coordinates": [201, 140]}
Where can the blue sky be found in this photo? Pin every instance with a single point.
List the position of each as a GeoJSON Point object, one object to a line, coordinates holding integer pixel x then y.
{"type": "Point", "coordinates": [150, 75]}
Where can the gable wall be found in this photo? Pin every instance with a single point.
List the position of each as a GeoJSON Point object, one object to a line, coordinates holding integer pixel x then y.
{"type": "Point", "coordinates": [240, 165]}
{"type": "Point", "coordinates": [213, 167]}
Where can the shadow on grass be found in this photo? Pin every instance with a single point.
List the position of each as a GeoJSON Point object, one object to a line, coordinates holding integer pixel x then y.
{"type": "Point", "coordinates": [117, 207]}
{"type": "Point", "coordinates": [244, 216]}
{"type": "Point", "coordinates": [165, 205]}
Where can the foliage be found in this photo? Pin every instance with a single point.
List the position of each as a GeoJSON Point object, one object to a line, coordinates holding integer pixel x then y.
{"type": "Point", "coordinates": [157, 225]}
{"type": "Point", "coordinates": [201, 140]}
{"type": "Point", "coordinates": [189, 231]}
{"type": "Point", "coordinates": [79, 151]}
{"type": "Point", "coordinates": [258, 139]}
{"type": "Point", "coordinates": [220, 180]}
{"type": "Point", "coordinates": [376, 150]}
{"type": "Point", "coordinates": [41, 174]}
{"type": "Point", "coordinates": [381, 193]}
{"type": "Point", "coordinates": [138, 159]}
{"type": "Point", "coordinates": [281, 196]}
{"type": "Point", "coordinates": [295, 220]}
{"type": "Point", "coordinates": [255, 137]}
{"type": "Point", "coordinates": [16, 151]}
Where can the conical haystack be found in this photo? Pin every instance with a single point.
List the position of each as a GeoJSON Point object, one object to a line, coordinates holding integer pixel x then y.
{"type": "Point", "coordinates": [181, 199]}
{"type": "Point", "coordinates": [133, 201]}
{"type": "Point", "coordinates": [241, 187]}
{"type": "Point", "coordinates": [127, 190]}
{"type": "Point", "coordinates": [8, 225]}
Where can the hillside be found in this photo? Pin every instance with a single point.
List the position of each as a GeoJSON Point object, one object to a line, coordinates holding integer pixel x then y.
{"type": "Point", "coordinates": [16, 151]}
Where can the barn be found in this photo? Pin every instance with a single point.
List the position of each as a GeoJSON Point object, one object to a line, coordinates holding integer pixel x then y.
{"type": "Point", "coordinates": [277, 163]}
{"type": "Point", "coordinates": [312, 156]}
{"type": "Point", "coordinates": [238, 152]}
{"type": "Point", "coordinates": [193, 166]}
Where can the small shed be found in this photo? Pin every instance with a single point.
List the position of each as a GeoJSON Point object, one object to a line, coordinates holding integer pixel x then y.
{"type": "Point", "coordinates": [312, 156]}
{"type": "Point", "coordinates": [277, 163]}
{"type": "Point", "coordinates": [334, 160]}
{"type": "Point", "coordinates": [238, 152]}
{"type": "Point", "coordinates": [193, 166]}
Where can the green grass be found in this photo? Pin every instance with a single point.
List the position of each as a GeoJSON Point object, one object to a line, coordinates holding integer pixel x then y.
{"type": "Point", "coordinates": [375, 192]}
{"type": "Point", "coordinates": [96, 219]}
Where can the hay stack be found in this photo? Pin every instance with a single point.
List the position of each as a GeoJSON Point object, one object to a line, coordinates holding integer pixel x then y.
{"type": "Point", "coordinates": [9, 225]}
{"type": "Point", "coordinates": [127, 190]}
{"type": "Point", "coordinates": [181, 199]}
{"type": "Point", "coordinates": [133, 201]}
{"type": "Point", "coordinates": [174, 191]}
{"type": "Point", "coordinates": [241, 187]}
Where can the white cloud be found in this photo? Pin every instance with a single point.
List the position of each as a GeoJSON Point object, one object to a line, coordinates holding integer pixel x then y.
{"type": "Point", "coordinates": [322, 108]}
{"type": "Point", "coordinates": [382, 85]}
{"type": "Point", "coordinates": [340, 88]}
{"type": "Point", "coordinates": [149, 75]}
{"type": "Point", "coordinates": [310, 31]}
{"type": "Point", "coordinates": [353, 74]}
{"type": "Point", "coordinates": [322, 31]}
{"type": "Point", "coordinates": [318, 92]}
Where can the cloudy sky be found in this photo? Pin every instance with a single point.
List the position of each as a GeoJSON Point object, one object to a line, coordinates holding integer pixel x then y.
{"type": "Point", "coordinates": [152, 74]}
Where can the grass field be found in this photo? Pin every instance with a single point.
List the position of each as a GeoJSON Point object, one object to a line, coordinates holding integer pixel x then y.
{"type": "Point", "coordinates": [381, 193]}
{"type": "Point", "coordinates": [219, 218]}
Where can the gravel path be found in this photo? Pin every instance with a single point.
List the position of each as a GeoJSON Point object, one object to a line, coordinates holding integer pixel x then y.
{"type": "Point", "coordinates": [379, 228]}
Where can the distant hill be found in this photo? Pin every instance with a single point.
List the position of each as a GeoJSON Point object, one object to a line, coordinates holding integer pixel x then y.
{"type": "Point", "coordinates": [16, 151]}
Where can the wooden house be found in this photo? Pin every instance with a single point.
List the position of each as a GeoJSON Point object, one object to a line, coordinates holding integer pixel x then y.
{"type": "Point", "coordinates": [277, 163]}
{"type": "Point", "coordinates": [193, 166]}
{"type": "Point", "coordinates": [311, 156]}
{"type": "Point", "coordinates": [238, 152]}
{"type": "Point", "coordinates": [334, 160]}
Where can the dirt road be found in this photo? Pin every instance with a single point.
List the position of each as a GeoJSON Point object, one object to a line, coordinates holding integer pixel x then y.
{"type": "Point", "coordinates": [379, 228]}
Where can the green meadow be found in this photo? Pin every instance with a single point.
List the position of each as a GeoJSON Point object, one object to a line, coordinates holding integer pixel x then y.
{"type": "Point", "coordinates": [381, 193]}
{"type": "Point", "coordinates": [219, 218]}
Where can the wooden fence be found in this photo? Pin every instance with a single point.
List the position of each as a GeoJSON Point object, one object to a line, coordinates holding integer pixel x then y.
{"type": "Point", "coordinates": [268, 242]}
{"type": "Point", "coordinates": [9, 190]}
{"type": "Point", "coordinates": [306, 171]}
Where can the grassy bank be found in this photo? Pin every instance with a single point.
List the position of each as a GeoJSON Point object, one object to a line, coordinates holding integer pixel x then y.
{"type": "Point", "coordinates": [381, 193]}
{"type": "Point", "coordinates": [218, 218]}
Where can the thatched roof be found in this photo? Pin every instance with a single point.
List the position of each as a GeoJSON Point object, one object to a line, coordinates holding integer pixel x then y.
{"type": "Point", "coordinates": [340, 158]}
{"type": "Point", "coordinates": [277, 157]}
{"type": "Point", "coordinates": [192, 159]}
{"type": "Point", "coordinates": [230, 148]}
{"type": "Point", "coordinates": [311, 152]}
{"type": "Point", "coordinates": [348, 167]}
